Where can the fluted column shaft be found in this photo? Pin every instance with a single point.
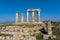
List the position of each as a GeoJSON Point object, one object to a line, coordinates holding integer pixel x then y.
{"type": "Point", "coordinates": [33, 16]}
{"type": "Point", "coordinates": [16, 17]}
{"type": "Point", "coordinates": [39, 16]}
{"type": "Point", "coordinates": [22, 19]}
{"type": "Point", "coordinates": [27, 17]}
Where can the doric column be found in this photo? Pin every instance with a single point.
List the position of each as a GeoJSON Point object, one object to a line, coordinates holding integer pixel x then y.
{"type": "Point", "coordinates": [22, 19]}
{"type": "Point", "coordinates": [27, 17]}
{"type": "Point", "coordinates": [38, 16]}
{"type": "Point", "coordinates": [33, 16]}
{"type": "Point", "coordinates": [16, 17]}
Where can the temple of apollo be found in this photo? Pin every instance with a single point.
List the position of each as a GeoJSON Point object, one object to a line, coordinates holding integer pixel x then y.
{"type": "Point", "coordinates": [27, 17]}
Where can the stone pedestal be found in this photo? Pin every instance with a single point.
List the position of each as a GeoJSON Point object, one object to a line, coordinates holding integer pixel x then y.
{"type": "Point", "coordinates": [44, 25]}
{"type": "Point", "coordinates": [49, 28]}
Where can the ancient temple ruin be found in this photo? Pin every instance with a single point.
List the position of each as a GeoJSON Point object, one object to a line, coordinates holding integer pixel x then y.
{"type": "Point", "coordinates": [27, 16]}
{"type": "Point", "coordinates": [25, 33]}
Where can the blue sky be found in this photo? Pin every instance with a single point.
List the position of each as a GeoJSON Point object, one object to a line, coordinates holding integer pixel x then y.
{"type": "Point", "coordinates": [50, 9]}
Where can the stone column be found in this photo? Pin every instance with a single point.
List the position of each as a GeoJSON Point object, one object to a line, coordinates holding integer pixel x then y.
{"type": "Point", "coordinates": [22, 19]}
{"type": "Point", "coordinates": [38, 16]}
{"type": "Point", "coordinates": [33, 16]}
{"type": "Point", "coordinates": [16, 17]}
{"type": "Point", "coordinates": [27, 17]}
{"type": "Point", "coordinates": [49, 28]}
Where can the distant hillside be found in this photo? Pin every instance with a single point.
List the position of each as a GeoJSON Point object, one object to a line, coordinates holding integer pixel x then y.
{"type": "Point", "coordinates": [7, 22]}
